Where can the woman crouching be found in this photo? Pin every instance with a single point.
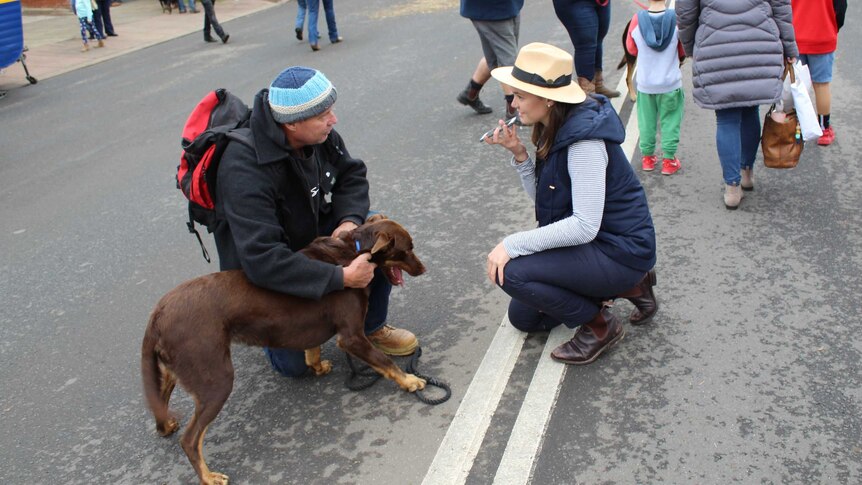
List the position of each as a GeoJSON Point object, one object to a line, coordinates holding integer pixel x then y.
{"type": "Point", "coordinates": [595, 239]}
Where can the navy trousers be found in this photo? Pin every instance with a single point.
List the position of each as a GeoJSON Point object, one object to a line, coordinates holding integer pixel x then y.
{"type": "Point", "coordinates": [563, 285]}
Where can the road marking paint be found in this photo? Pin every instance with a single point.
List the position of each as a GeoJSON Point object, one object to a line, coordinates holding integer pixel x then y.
{"type": "Point", "coordinates": [463, 439]}
{"type": "Point", "coordinates": [527, 435]}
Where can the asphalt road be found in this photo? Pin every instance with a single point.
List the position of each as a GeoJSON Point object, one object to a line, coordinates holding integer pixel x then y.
{"type": "Point", "coordinates": [750, 373]}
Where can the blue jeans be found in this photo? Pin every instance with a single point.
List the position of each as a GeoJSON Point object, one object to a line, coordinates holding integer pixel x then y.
{"type": "Point", "coordinates": [302, 6]}
{"type": "Point", "coordinates": [563, 285]}
{"type": "Point", "coordinates": [190, 3]}
{"type": "Point", "coordinates": [737, 137]}
{"type": "Point", "coordinates": [587, 23]}
{"type": "Point", "coordinates": [329, 10]}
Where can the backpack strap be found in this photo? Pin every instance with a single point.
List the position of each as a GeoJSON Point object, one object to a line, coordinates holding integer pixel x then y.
{"type": "Point", "coordinates": [191, 226]}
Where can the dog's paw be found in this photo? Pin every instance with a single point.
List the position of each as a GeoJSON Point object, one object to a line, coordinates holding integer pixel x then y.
{"type": "Point", "coordinates": [322, 368]}
{"type": "Point", "coordinates": [215, 478]}
{"type": "Point", "coordinates": [413, 383]}
{"type": "Point", "coordinates": [168, 427]}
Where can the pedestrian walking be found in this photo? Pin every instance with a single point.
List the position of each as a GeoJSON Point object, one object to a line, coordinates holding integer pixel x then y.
{"type": "Point", "coordinates": [817, 23]}
{"type": "Point", "coordinates": [84, 11]}
{"type": "Point", "coordinates": [654, 39]}
{"type": "Point", "coordinates": [329, 11]}
{"type": "Point", "coordinates": [102, 18]}
{"type": "Point", "coordinates": [740, 49]}
{"type": "Point", "coordinates": [301, 8]}
{"type": "Point", "coordinates": [498, 24]}
{"type": "Point", "coordinates": [595, 239]}
{"type": "Point", "coordinates": [210, 21]}
{"type": "Point", "coordinates": [587, 22]}
{"type": "Point", "coordinates": [189, 6]}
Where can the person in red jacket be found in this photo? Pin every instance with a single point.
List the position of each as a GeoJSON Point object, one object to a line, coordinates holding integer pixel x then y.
{"type": "Point", "coordinates": [816, 23]}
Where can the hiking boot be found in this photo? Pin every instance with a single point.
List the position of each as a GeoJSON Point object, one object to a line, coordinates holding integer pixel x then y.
{"type": "Point", "coordinates": [394, 341]}
{"type": "Point", "coordinates": [475, 103]}
{"type": "Point", "coordinates": [209, 38]}
{"type": "Point", "coordinates": [643, 298]}
{"type": "Point", "coordinates": [747, 182]}
{"type": "Point", "coordinates": [648, 163]}
{"type": "Point", "coordinates": [827, 138]}
{"type": "Point", "coordinates": [732, 196]}
{"type": "Point", "coordinates": [298, 31]}
{"type": "Point", "coordinates": [591, 339]}
{"type": "Point", "coordinates": [600, 87]}
{"type": "Point", "coordinates": [670, 166]}
{"type": "Point", "coordinates": [225, 38]}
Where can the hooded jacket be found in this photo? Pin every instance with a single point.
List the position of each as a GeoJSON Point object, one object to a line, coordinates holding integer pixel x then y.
{"type": "Point", "coordinates": [739, 49]}
{"type": "Point", "coordinates": [816, 23]}
{"type": "Point", "coordinates": [626, 234]}
{"type": "Point", "coordinates": [266, 209]}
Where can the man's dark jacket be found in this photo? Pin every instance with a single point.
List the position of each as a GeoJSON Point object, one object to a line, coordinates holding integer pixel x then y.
{"type": "Point", "coordinates": [266, 212]}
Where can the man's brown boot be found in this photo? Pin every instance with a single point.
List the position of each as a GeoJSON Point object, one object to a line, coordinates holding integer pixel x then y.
{"type": "Point", "coordinates": [643, 298]}
{"type": "Point", "coordinates": [586, 85]}
{"type": "Point", "coordinates": [601, 88]}
{"type": "Point", "coordinates": [591, 339]}
{"type": "Point", "coordinates": [394, 341]}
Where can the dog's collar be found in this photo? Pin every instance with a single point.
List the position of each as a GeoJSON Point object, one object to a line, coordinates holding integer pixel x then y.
{"type": "Point", "coordinates": [357, 245]}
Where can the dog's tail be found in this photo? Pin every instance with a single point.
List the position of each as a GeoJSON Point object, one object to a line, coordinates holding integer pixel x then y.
{"type": "Point", "coordinates": [158, 381]}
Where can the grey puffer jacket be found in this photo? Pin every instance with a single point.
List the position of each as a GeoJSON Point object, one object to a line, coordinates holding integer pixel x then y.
{"type": "Point", "coordinates": [739, 48]}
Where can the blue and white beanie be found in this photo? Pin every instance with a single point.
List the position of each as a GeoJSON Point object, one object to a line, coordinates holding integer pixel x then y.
{"type": "Point", "coordinates": [299, 93]}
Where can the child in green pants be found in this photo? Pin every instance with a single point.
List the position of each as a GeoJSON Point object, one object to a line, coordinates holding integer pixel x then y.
{"type": "Point", "coordinates": [653, 38]}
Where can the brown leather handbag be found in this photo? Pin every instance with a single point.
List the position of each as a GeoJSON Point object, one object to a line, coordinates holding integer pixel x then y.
{"type": "Point", "coordinates": [782, 142]}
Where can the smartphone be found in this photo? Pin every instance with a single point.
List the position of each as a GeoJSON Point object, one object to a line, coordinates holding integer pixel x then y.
{"type": "Point", "coordinates": [491, 131]}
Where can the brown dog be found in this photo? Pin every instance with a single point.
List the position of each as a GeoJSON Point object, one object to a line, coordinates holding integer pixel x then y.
{"type": "Point", "coordinates": [629, 61]}
{"type": "Point", "coordinates": [190, 331]}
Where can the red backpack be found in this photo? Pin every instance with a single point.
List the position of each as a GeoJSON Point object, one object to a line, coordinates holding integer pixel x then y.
{"type": "Point", "coordinates": [206, 134]}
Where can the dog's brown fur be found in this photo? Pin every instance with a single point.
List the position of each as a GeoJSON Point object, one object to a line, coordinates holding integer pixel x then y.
{"type": "Point", "coordinates": [191, 328]}
{"type": "Point", "coordinates": [629, 61]}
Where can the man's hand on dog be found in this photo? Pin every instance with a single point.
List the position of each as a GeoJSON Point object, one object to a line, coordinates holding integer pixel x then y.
{"type": "Point", "coordinates": [360, 272]}
{"type": "Point", "coordinates": [345, 226]}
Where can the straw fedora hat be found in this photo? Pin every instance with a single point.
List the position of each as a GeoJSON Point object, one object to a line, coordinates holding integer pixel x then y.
{"type": "Point", "coordinates": [543, 70]}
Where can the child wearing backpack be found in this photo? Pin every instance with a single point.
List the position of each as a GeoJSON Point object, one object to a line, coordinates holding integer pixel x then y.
{"type": "Point", "coordinates": [654, 39]}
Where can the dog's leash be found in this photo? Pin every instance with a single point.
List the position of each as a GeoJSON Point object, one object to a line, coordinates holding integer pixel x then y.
{"type": "Point", "coordinates": [372, 377]}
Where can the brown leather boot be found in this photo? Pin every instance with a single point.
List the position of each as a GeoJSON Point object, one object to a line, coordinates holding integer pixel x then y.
{"type": "Point", "coordinates": [394, 341]}
{"type": "Point", "coordinates": [601, 88]}
{"type": "Point", "coordinates": [643, 298]}
{"type": "Point", "coordinates": [591, 339]}
{"type": "Point", "coordinates": [586, 85]}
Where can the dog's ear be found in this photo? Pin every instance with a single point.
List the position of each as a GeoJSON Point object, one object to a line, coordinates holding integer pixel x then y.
{"type": "Point", "coordinates": [375, 218]}
{"type": "Point", "coordinates": [383, 241]}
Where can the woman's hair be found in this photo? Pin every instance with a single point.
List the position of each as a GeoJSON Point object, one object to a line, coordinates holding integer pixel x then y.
{"type": "Point", "coordinates": [543, 136]}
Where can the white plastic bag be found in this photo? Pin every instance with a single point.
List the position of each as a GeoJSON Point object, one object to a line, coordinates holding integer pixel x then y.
{"type": "Point", "coordinates": [796, 95]}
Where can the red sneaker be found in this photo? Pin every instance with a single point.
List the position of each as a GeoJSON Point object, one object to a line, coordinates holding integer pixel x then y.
{"type": "Point", "coordinates": [827, 138]}
{"type": "Point", "coordinates": [648, 163]}
{"type": "Point", "coordinates": [670, 167]}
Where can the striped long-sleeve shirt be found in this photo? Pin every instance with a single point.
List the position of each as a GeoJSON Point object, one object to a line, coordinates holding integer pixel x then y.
{"type": "Point", "coordinates": [587, 164]}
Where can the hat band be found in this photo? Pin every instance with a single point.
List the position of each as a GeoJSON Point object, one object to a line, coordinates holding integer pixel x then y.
{"type": "Point", "coordinates": [537, 80]}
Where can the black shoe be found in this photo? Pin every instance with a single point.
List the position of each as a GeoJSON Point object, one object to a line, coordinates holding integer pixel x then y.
{"type": "Point", "coordinates": [112, 34]}
{"type": "Point", "coordinates": [298, 31]}
{"type": "Point", "coordinates": [337, 40]}
{"type": "Point", "coordinates": [477, 104]}
{"type": "Point", "coordinates": [225, 38]}
{"type": "Point", "coordinates": [208, 38]}
{"type": "Point", "coordinates": [92, 37]}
